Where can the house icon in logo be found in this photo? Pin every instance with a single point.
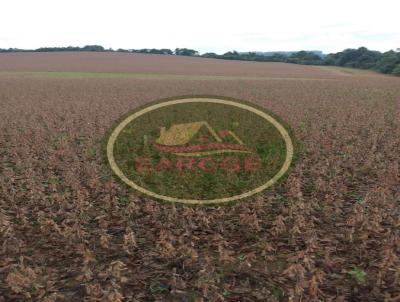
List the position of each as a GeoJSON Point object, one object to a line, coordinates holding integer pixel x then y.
{"type": "Point", "coordinates": [198, 139]}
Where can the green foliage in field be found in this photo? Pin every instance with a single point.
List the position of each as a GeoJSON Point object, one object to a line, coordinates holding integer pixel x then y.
{"type": "Point", "coordinates": [358, 274]}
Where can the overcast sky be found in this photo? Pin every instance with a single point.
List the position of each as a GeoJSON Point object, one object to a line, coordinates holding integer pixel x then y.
{"type": "Point", "coordinates": [205, 25]}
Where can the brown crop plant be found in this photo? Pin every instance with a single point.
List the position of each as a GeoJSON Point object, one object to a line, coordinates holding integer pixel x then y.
{"type": "Point", "coordinates": [69, 231]}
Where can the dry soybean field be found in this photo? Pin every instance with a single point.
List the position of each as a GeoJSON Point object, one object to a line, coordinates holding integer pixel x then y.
{"type": "Point", "coordinates": [69, 231]}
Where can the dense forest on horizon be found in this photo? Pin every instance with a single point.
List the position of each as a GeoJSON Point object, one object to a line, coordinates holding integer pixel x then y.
{"type": "Point", "coordinates": [363, 58]}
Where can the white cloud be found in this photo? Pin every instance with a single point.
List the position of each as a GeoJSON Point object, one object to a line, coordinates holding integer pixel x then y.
{"type": "Point", "coordinates": [204, 25]}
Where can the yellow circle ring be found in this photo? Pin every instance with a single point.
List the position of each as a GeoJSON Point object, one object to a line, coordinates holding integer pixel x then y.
{"type": "Point", "coordinates": [122, 125]}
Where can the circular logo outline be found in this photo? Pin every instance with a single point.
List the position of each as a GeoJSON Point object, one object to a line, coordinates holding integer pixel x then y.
{"type": "Point", "coordinates": [199, 99]}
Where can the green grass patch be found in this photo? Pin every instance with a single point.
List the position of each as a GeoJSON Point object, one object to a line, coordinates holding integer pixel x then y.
{"type": "Point", "coordinates": [145, 76]}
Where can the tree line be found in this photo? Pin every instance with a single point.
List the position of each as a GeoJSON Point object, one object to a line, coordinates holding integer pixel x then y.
{"type": "Point", "coordinates": [363, 58]}
{"type": "Point", "coordinates": [99, 48]}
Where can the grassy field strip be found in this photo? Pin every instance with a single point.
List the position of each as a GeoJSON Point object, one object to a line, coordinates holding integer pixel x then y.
{"type": "Point", "coordinates": [146, 76]}
{"type": "Point", "coordinates": [348, 71]}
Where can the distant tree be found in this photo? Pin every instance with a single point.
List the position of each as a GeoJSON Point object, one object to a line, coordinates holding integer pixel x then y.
{"type": "Point", "coordinates": [72, 48]}
{"type": "Point", "coordinates": [277, 57]}
{"type": "Point", "coordinates": [233, 55]}
{"type": "Point", "coordinates": [305, 57]}
{"type": "Point", "coordinates": [93, 48]}
{"type": "Point", "coordinates": [167, 51]}
{"type": "Point", "coordinates": [153, 51]}
{"type": "Point", "coordinates": [387, 62]}
{"type": "Point", "coordinates": [330, 59]}
{"type": "Point", "coordinates": [357, 58]}
{"type": "Point", "coordinates": [396, 70]}
{"type": "Point", "coordinates": [186, 52]}
{"type": "Point", "coordinates": [366, 61]}
{"type": "Point", "coordinates": [210, 55]}
{"type": "Point", "coordinates": [12, 50]}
